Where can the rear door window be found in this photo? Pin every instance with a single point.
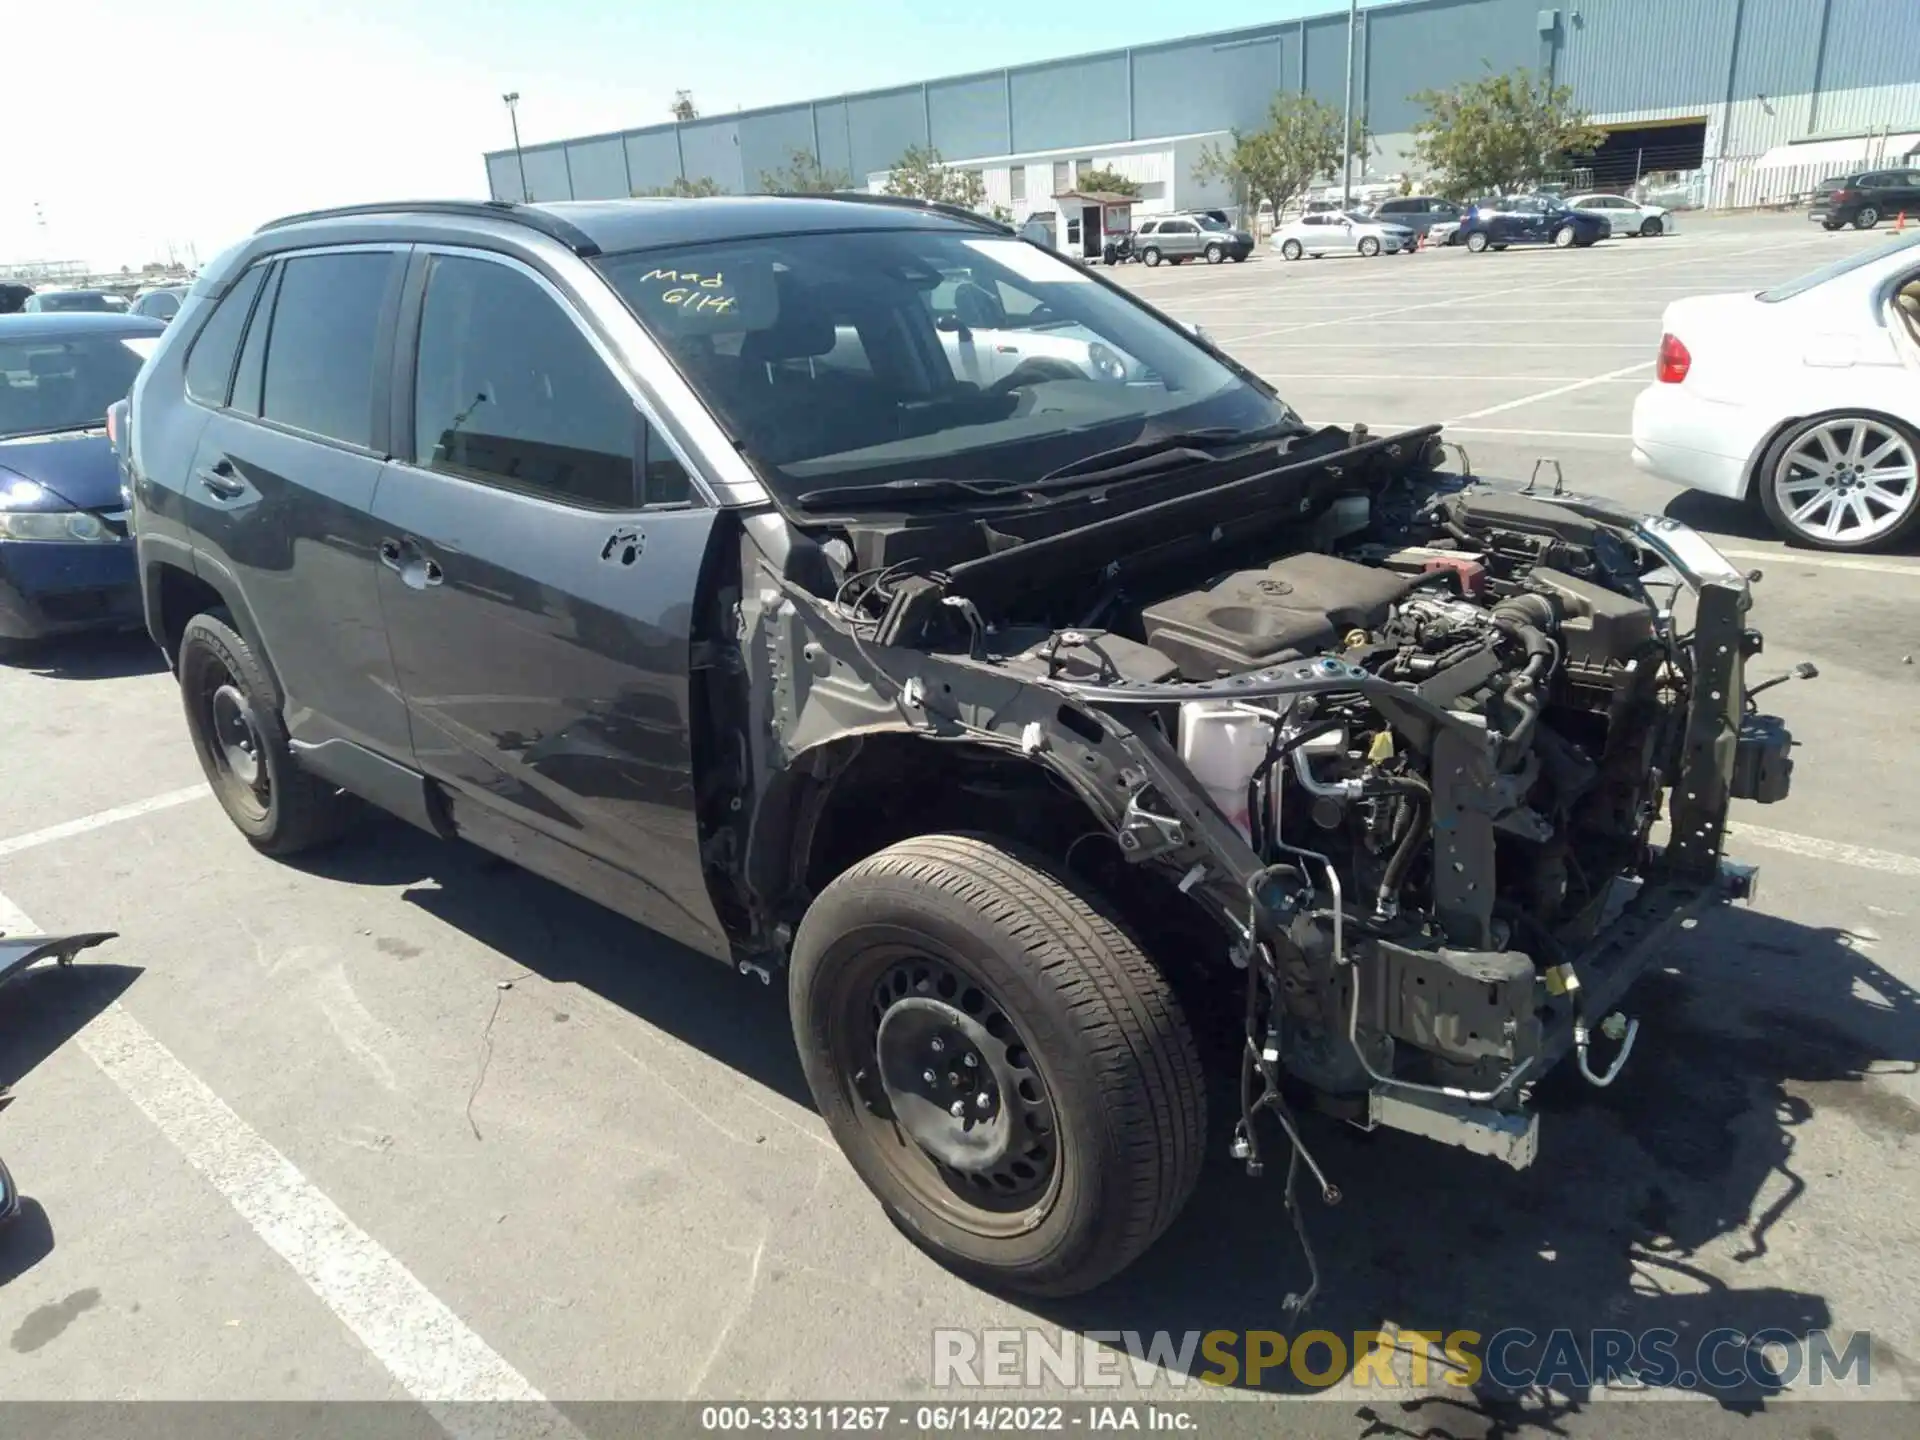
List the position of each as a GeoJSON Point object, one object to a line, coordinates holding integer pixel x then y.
{"type": "Point", "coordinates": [509, 391]}
{"type": "Point", "coordinates": [210, 361]}
{"type": "Point", "coordinates": [321, 356]}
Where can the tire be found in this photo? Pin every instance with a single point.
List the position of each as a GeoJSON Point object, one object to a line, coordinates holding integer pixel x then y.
{"type": "Point", "coordinates": [1477, 241]}
{"type": "Point", "coordinates": [1867, 218]}
{"type": "Point", "coordinates": [1827, 455]}
{"type": "Point", "coordinates": [1651, 226]}
{"type": "Point", "coordinates": [1564, 237]}
{"type": "Point", "coordinates": [1150, 256]}
{"type": "Point", "coordinates": [1369, 246]}
{"type": "Point", "coordinates": [232, 709]}
{"type": "Point", "coordinates": [968, 951]}
{"type": "Point", "coordinates": [1215, 254]}
{"type": "Point", "coordinates": [1291, 249]}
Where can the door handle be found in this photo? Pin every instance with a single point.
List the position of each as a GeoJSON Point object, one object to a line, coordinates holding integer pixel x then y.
{"type": "Point", "coordinates": [415, 569]}
{"type": "Point", "coordinates": [390, 554]}
{"type": "Point", "coordinates": [220, 480]}
{"type": "Point", "coordinates": [430, 572]}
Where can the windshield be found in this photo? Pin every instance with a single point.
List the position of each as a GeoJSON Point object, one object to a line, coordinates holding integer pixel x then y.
{"type": "Point", "coordinates": [65, 383]}
{"type": "Point", "coordinates": [1210, 222]}
{"type": "Point", "coordinates": [1786, 290]}
{"type": "Point", "coordinates": [866, 356]}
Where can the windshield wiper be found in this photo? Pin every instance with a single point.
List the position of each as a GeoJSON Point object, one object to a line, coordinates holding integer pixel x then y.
{"type": "Point", "coordinates": [1179, 447]}
{"type": "Point", "coordinates": [909, 492]}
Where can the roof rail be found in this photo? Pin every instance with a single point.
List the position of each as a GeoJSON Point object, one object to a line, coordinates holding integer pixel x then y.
{"type": "Point", "coordinates": [547, 223]}
{"type": "Point", "coordinates": [914, 202]}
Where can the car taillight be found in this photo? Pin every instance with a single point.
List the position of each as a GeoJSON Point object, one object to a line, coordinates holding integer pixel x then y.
{"type": "Point", "coordinates": [1841, 194]}
{"type": "Point", "coordinates": [113, 428]}
{"type": "Point", "coordinates": [1674, 361]}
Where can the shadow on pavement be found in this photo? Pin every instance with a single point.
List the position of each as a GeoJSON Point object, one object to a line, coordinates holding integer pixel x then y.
{"type": "Point", "coordinates": [115, 655]}
{"type": "Point", "coordinates": [569, 940]}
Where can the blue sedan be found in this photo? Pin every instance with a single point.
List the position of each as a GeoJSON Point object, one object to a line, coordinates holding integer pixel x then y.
{"type": "Point", "coordinates": [66, 560]}
{"type": "Point", "coordinates": [1529, 220]}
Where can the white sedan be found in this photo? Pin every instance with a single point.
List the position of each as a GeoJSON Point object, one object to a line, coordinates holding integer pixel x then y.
{"type": "Point", "coordinates": [1804, 399]}
{"type": "Point", "coordinates": [1629, 217]}
{"type": "Point", "coordinates": [1337, 232]}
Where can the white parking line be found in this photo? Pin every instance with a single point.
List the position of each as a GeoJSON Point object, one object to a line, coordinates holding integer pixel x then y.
{"type": "Point", "coordinates": [66, 828]}
{"type": "Point", "coordinates": [425, 1347]}
{"type": "Point", "coordinates": [1887, 862]}
{"type": "Point", "coordinates": [1825, 562]}
{"type": "Point", "coordinates": [1558, 390]}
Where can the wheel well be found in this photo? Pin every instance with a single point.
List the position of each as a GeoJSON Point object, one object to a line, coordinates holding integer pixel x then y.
{"type": "Point", "coordinates": [891, 787]}
{"type": "Point", "coordinates": [182, 595]}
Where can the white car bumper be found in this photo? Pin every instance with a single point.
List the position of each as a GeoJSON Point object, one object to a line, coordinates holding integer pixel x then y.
{"type": "Point", "coordinates": [1699, 443]}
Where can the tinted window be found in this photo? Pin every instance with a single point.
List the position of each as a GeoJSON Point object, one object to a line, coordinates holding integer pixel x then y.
{"type": "Point", "coordinates": [1149, 227]}
{"type": "Point", "coordinates": [1399, 207]}
{"type": "Point", "coordinates": [54, 382]}
{"type": "Point", "coordinates": [320, 357]}
{"type": "Point", "coordinates": [162, 305]}
{"type": "Point", "coordinates": [509, 390]}
{"type": "Point", "coordinates": [253, 351]}
{"type": "Point", "coordinates": [210, 362]}
{"type": "Point", "coordinates": [321, 352]}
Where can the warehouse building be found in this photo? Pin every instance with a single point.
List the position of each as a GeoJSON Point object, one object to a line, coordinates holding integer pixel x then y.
{"type": "Point", "coordinates": [1724, 102]}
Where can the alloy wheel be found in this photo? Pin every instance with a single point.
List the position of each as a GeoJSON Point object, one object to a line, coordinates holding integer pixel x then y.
{"type": "Point", "coordinates": [1847, 481]}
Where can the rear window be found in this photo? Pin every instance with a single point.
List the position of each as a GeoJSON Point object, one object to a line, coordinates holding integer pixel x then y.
{"type": "Point", "coordinates": [53, 383]}
{"type": "Point", "coordinates": [320, 356]}
{"type": "Point", "coordinates": [1842, 266]}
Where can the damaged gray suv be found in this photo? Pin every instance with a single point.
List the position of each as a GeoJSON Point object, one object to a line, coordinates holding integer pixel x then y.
{"type": "Point", "coordinates": [859, 594]}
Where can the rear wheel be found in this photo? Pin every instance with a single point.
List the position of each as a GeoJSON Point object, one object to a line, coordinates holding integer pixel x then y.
{"type": "Point", "coordinates": [1215, 254]}
{"type": "Point", "coordinates": [1291, 249]}
{"type": "Point", "coordinates": [1150, 256]}
{"type": "Point", "coordinates": [1867, 218]}
{"type": "Point", "coordinates": [1564, 237]}
{"type": "Point", "coordinates": [1651, 226]}
{"type": "Point", "coordinates": [1842, 482]}
{"type": "Point", "coordinates": [1369, 246]}
{"type": "Point", "coordinates": [1004, 1067]}
{"type": "Point", "coordinates": [234, 718]}
{"type": "Point", "coordinates": [1477, 241]}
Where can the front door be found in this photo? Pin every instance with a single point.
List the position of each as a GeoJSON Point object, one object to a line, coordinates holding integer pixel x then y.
{"type": "Point", "coordinates": [543, 548]}
{"type": "Point", "coordinates": [280, 495]}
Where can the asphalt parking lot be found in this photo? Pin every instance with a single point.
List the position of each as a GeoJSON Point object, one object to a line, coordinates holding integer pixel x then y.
{"type": "Point", "coordinates": [404, 1121]}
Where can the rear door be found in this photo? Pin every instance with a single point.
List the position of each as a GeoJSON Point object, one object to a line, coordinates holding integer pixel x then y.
{"type": "Point", "coordinates": [540, 551]}
{"type": "Point", "coordinates": [280, 495]}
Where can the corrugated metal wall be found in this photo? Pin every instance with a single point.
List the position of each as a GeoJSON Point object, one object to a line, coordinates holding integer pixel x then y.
{"type": "Point", "coordinates": [1763, 72]}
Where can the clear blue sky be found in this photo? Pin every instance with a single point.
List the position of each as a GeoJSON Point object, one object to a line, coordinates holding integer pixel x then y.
{"type": "Point", "coordinates": [183, 123]}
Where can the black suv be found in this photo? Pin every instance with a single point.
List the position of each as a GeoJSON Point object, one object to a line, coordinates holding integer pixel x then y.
{"type": "Point", "coordinates": [855, 589]}
{"type": "Point", "coordinates": [1864, 199]}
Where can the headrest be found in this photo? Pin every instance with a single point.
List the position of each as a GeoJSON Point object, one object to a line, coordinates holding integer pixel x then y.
{"type": "Point", "coordinates": [800, 329]}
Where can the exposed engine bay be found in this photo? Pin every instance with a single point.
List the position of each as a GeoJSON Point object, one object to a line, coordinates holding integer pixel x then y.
{"type": "Point", "coordinates": [1408, 737]}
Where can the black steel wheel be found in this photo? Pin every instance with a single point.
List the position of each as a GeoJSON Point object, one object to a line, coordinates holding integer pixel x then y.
{"type": "Point", "coordinates": [1002, 1064]}
{"type": "Point", "coordinates": [233, 715]}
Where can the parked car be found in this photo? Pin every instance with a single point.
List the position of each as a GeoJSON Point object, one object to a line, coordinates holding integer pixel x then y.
{"type": "Point", "coordinates": [1804, 399]}
{"type": "Point", "coordinates": [1528, 220]}
{"type": "Point", "coordinates": [65, 560]}
{"type": "Point", "coordinates": [581, 532]}
{"type": "Point", "coordinates": [161, 302]}
{"type": "Point", "coordinates": [1418, 213]}
{"type": "Point", "coordinates": [47, 302]}
{"type": "Point", "coordinates": [990, 342]}
{"type": "Point", "coordinates": [1865, 198]}
{"type": "Point", "coordinates": [1180, 238]}
{"type": "Point", "coordinates": [1340, 233]}
{"type": "Point", "coordinates": [1625, 216]}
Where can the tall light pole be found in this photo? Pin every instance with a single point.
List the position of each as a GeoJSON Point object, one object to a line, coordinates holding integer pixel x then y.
{"type": "Point", "coordinates": [1346, 126]}
{"type": "Point", "coordinates": [512, 97]}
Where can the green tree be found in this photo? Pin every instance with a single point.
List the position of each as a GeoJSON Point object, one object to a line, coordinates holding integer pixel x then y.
{"type": "Point", "coordinates": [1276, 163]}
{"type": "Point", "coordinates": [803, 174]}
{"type": "Point", "coordinates": [1107, 182]}
{"type": "Point", "coordinates": [686, 189]}
{"type": "Point", "coordinates": [1499, 132]}
{"type": "Point", "coordinates": [922, 174]}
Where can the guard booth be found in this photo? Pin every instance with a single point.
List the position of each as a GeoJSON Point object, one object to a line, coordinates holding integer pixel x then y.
{"type": "Point", "coordinates": [1087, 217]}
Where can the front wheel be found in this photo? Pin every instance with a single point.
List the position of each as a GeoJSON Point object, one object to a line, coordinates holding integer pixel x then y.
{"type": "Point", "coordinates": [1867, 218]}
{"type": "Point", "coordinates": [1002, 1064]}
{"type": "Point", "coordinates": [1369, 247]}
{"type": "Point", "coordinates": [1651, 226]}
{"type": "Point", "coordinates": [1215, 254]}
{"type": "Point", "coordinates": [1150, 256]}
{"type": "Point", "coordinates": [1564, 237]}
{"type": "Point", "coordinates": [1477, 242]}
{"type": "Point", "coordinates": [1291, 249]}
{"type": "Point", "coordinates": [234, 718]}
{"type": "Point", "coordinates": [1842, 482]}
